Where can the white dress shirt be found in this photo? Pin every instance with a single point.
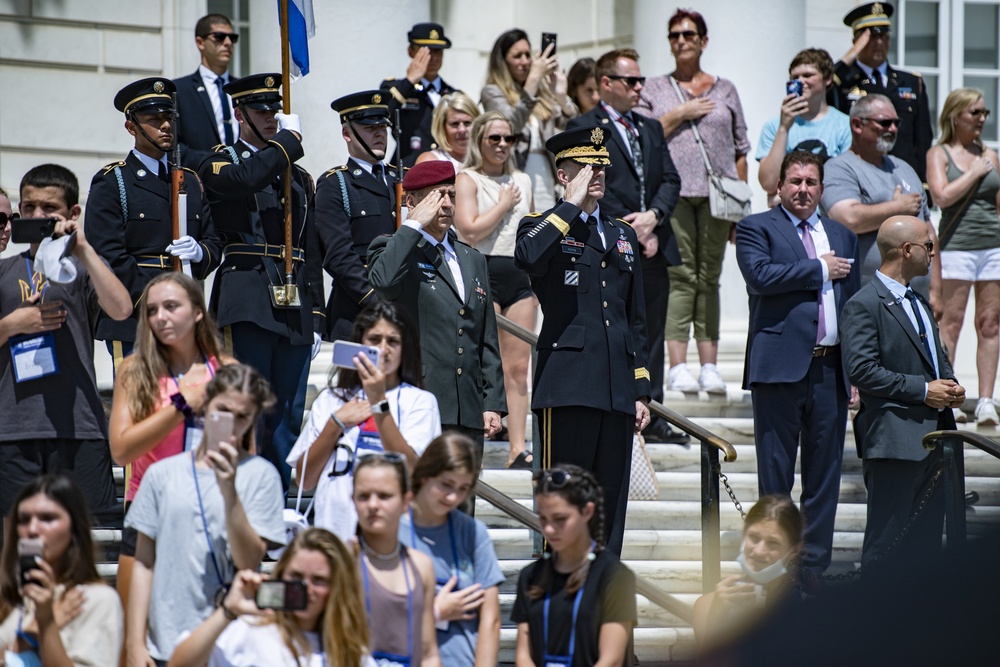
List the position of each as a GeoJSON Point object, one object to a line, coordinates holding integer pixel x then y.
{"type": "Point", "coordinates": [822, 243]}
{"type": "Point", "coordinates": [208, 78]}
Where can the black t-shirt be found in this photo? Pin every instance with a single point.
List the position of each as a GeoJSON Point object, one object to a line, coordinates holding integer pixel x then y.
{"type": "Point", "coordinates": [608, 597]}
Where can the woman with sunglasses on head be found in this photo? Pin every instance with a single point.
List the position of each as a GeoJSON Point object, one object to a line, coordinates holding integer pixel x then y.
{"type": "Point", "coordinates": [492, 196]}
{"type": "Point", "coordinates": [575, 606]}
{"type": "Point", "coordinates": [772, 539]}
{"type": "Point", "coordinates": [531, 91]}
{"type": "Point", "coordinates": [330, 631]}
{"type": "Point", "coordinates": [467, 602]}
{"type": "Point", "coordinates": [398, 582]}
{"type": "Point", "coordinates": [450, 125]}
{"type": "Point", "coordinates": [200, 517]}
{"type": "Point", "coordinates": [963, 180]}
{"type": "Point", "coordinates": [369, 409]}
{"type": "Point", "coordinates": [59, 612]}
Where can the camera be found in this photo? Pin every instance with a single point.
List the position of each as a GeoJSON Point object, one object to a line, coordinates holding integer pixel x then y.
{"type": "Point", "coordinates": [281, 595]}
{"type": "Point", "coordinates": [32, 230]}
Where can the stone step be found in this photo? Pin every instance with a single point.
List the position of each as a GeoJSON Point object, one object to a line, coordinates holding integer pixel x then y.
{"type": "Point", "coordinates": [653, 646]}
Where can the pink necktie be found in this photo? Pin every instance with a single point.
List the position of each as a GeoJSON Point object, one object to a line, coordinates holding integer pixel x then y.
{"type": "Point", "coordinates": [811, 252]}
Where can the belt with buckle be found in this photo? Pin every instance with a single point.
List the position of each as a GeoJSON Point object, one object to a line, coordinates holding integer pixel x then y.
{"type": "Point", "coordinates": [264, 250]}
{"type": "Point", "coordinates": [165, 262]}
{"type": "Point", "coordinates": [824, 350]}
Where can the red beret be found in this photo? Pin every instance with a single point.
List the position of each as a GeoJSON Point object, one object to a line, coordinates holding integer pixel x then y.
{"type": "Point", "coordinates": [428, 174]}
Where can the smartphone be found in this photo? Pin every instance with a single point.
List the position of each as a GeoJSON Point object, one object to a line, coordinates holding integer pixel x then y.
{"type": "Point", "coordinates": [32, 230]}
{"type": "Point", "coordinates": [549, 38]}
{"type": "Point", "coordinates": [27, 549]}
{"type": "Point", "coordinates": [282, 595]}
{"type": "Point", "coordinates": [794, 87]}
{"type": "Point", "coordinates": [218, 428]}
{"type": "Point", "coordinates": [344, 352]}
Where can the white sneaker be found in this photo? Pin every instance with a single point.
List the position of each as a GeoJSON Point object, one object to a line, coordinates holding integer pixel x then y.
{"type": "Point", "coordinates": [986, 412]}
{"type": "Point", "coordinates": [679, 378]}
{"type": "Point", "coordinates": [960, 416]}
{"type": "Point", "coordinates": [710, 380]}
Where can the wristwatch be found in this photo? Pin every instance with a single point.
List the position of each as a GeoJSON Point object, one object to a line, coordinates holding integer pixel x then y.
{"type": "Point", "coordinates": [658, 213]}
{"type": "Point", "coordinates": [381, 408]}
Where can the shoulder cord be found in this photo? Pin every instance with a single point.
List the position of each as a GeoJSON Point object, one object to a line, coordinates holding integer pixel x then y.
{"type": "Point", "coordinates": [343, 192]}
{"type": "Point", "coordinates": [121, 194]}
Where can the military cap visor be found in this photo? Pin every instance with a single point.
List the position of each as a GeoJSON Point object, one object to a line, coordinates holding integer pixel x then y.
{"type": "Point", "coordinates": [430, 35]}
{"type": "Point", "coordinates": [257, 91]}
{"type": "Point", "coordinates": [583, 146]}
{"type": "Point", "coordinates": [152, 95]}
{"type": "Point", "coordinates": [369, 107]}
{"type": "Point", "coordinates": [870, 15]}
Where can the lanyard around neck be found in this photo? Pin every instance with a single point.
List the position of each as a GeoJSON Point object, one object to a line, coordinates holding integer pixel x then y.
{"type": "Point", "coordinates": [572, 631]}
{"type": "Point", "coordinates": [204, 523]}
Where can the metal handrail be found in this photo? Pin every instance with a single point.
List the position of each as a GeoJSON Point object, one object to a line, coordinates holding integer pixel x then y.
{"type": "Point", "coordinates": [988, 445]}
{"type": "Point", "coordinates": [526, 517]}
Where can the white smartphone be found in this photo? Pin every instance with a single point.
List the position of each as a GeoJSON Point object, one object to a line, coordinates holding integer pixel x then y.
{"type": "Point", "coordinates": [344, 352]}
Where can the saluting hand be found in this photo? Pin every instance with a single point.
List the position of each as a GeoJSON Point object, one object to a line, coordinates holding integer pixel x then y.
{"type": "Point", "coordinates": [577, 189]}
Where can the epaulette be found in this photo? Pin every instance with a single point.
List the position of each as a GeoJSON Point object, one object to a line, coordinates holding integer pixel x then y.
{"type": "Point", "coordinates": [109, 167]}
{"type": "Point", "coordinates": [219, 148]}
{"type": "Point", "coordinates": [389, 78]}
{"type": "Point", "coordinates": [625, 221]}
{"type": "Point", "coordinates": [190, 170]}
{"type": "Point", "coordinates": [342, 167]}
{"type": "Point", "coordinates": [533, 215]}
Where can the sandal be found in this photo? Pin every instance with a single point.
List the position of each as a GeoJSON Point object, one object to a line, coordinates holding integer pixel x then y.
{"type": "Point", "coordinates": [521, 462]}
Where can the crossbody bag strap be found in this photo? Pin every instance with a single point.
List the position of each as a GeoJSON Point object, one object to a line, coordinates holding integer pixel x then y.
{"type": "Point", "coordinates": [694, 128]}
{"type": "Point", "coordinates": [949, 228]}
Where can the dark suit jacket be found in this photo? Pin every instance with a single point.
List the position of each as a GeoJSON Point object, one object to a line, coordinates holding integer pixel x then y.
{"type": "Point", "coordinates": [592, 347]}
{"type": "Point", "coordinates": [458, 332]}
{"type": "Point", "coordinates": [415, 122]}
{"type": "Point", "coordinates": [783, 285]}
{"type": "Point", "coordinates": [199, 133]}
{"type": "Point", "coordinates": [887, 362]}
{"type": "Point", "coordinates": [253, 184]}
{"type": "Point", "coordinates": [663, 183]}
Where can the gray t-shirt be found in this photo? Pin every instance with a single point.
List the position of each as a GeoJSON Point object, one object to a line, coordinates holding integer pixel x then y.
{"type": "Point", "coordinates": [166, 509]}
{"type": "Point", "coordinates": [847, 176]}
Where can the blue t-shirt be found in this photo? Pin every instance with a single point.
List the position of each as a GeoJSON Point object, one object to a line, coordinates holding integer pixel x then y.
{"type": "Point", "coordinates": [827, 137]}
{"type": "Point", "coordinates": [476, 564]}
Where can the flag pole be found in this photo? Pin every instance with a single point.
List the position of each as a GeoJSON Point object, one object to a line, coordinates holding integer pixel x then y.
{"type": "Point", "coordinates": [286, 102]}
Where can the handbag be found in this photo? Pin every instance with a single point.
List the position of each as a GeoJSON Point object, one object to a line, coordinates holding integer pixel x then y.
{"type": "Point", "coordinates": [728, 198]}
{"type": "Point", "coordinates": [642, 479]}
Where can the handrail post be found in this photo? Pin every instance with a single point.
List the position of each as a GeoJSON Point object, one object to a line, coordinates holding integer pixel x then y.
{"type": "Point", "coordinates": [711, 548]}
{"type": "Point", "coordinates": [954, 487]}
{"type": "Point", "coordinates": [537, 543]}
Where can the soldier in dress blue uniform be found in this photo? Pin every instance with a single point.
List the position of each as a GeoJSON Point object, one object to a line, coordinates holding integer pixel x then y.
{"type": "Point", "coordinates": [129, 218]}
{"type": "Point", "coordinates": [354, 204]}
{"type": "Point", "coordinates": [591, 384]}
{"type": "Point", "coordinates": [417, 93]}
{"type": "Point", "coordinates": [864, 69]}
{"type": "Point", "coordinates": [264, 324]}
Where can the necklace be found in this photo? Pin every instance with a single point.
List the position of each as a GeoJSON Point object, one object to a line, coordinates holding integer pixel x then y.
{"type": "Point", "coordinates": [385, 558]}
{"type": "Point", "coordinates": [180, 376]}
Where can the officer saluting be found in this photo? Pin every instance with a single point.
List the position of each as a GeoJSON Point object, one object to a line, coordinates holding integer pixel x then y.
{"type": "Point", "coordinates": [865, 69]}
{"type": "Point", "coordinates": [354, 204]}
{"type": "Point", "coordinates": [273, 330]}
{"type": "Point", "coordinates": [129, 218]}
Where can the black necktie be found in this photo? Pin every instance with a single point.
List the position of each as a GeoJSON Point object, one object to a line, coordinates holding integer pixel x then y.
{"type": "Point", "coordinates": [640, 172]}
{"type": "Point", "coordinates": [921, 330]}
{"type": "Point", "coordinates": [163, 172]}
{"type": "Point", "coordinates": [227, 126]}
{"type": "Point", "coordinates": [378, 173]}
{"type": "Point", "coordinates": [876, 79]}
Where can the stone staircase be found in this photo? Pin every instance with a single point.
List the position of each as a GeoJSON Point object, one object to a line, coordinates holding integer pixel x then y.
{"type": "Point", "coordinates": [663, 537]}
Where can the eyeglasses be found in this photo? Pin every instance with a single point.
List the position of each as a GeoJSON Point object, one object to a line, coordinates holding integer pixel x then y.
{"type": "Point", "coordinates": [219, 37]}
{"type": "Point", "coordinates": [4, 218]}
{"type": "Point", "coordinates": [928, 246]}
{"type": "Point", "coordinates": [629, 81]}
{"type": "Point", "coordinates": [884, 123]}
{"type": "Point", "coordinates": [494, 139]}
{"type": "Point", "coordinates": [976, 113]}
{"type": "Point", "coordinates": [686, 34]}
{"type": "Point", "coordinates": [553, 478]}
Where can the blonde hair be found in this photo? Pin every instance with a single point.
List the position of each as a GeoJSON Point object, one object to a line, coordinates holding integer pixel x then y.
{"type": "Point", "coordinates": [958, 101]}
{"type": "Point", "coordinates": [499, 75]}
{"type": "Point", "coordinates": [474, 158]}
{"type": "Point", "coordinates": [457, 101]}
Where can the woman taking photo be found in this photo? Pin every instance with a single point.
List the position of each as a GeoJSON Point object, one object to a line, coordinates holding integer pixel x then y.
{"type": "Point", "coordinates": [331, 631]}
{"type": "Point", "coordinates": [575, 606]}
{"type": "Point", "coordinates": [531, 92]}
{"type": "Point", "coordinates": [199, 518]}
{"type": "Point", "coordinates": [772, 538]}
{"type": "Point", "coordinates": [369, 409]}
{"type": "Point", "coordinates": [398, 582]}
{"type": "Point", "coordinates": [176, 354]}
{"type": "Point", "coordinates": [467, 604]}
{"type": "Point", "coordinates": [962, 176]}
{"type": "Point", "coordinates": [714, 105]}
{"type": "Point", "coordinates": [450, 125]}
{"type": "Point", "coordinates": [492, 196]}
{"type": "Point", "coordinates": [63, 614]}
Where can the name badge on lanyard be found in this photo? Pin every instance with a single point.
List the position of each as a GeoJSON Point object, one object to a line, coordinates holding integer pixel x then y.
{"type": "Point", "coordinates": [194, 433]}
{"type": "Point", "coordinates": [34, 357]}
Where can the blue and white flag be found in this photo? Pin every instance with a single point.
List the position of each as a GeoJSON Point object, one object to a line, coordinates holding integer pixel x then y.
{"type": "Point", "coordinates": [301, 28]}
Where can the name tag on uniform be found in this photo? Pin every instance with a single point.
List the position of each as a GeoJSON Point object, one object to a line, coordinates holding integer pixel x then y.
{"type": "Point", "coordinates": [34, 357]}
{"type": "Point", "coordinates": [571, 246]}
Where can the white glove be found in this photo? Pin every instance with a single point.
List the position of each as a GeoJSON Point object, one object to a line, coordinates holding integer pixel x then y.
{"type": "Point", "coordinates": [187, 249]}
{"type": "Point", "coordinates": [289, 121]}
{"type": "Point", "coordinates": [317, 341]}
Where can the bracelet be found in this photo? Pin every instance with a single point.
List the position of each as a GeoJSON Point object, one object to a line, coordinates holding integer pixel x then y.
{"type": "Point", "coordinates": [227, 612]}
{"type": "Point", "coordinates": [336, 420]}
{"type": "Point", "coordinates": [182, 406]}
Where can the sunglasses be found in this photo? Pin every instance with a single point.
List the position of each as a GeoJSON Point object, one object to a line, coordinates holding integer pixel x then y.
{"type": "Point", "coordinates": [673, 36]}
{"type": "Point", "coordinates": [344, 465]}
{"type": "Point", "coordinates": [219, 37]}
{"type": "Point", "coordinates": [553, 478]}
{"type": "Point", "coordinates": [4, 219]}
{"type": "Point", "coordinates": [976, 113]}
{"type": "Point", "coordinates": [629, 81]}
{"type": "Point", "coordinates": [884, 123]}
{"type": "Point", "coordinates": [494, 139]}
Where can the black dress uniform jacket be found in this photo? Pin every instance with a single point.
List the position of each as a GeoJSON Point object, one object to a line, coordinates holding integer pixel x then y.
{"type": "Point", "coordinates": [592, 346]}
{"type": "Point", "coordinates": [909, 96]}
{"type": "Point", "coordinates": [253, 183]}
{"type": "Point", "coordinates": [414, 122]}
{"type": "Point", "coordinates": [137, 231]}
{"type": "Point", "coordinates": [345, 232]}
{"type": "Point", "coordinates": [458, 332]}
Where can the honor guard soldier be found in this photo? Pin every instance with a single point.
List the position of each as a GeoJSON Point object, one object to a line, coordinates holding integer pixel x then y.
{"type": "Point", "coordinates": [265, 324]}
{"type": "Point", "coordinates": [591, 384]}
{"type": "Point", "coordinates": [416, 94]}
{"type": "Point", "coordinates": [129, 211]}
{"type": "Point", "coordinates": [865, 69]}
{"type": "Point", "coordinates": [354, 204]}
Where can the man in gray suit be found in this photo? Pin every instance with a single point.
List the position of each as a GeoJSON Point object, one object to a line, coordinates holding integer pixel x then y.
{"type": "Point", "coordinates": [893, 355]}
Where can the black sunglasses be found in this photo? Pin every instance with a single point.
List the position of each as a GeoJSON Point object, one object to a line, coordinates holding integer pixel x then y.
{"type": "Point", "coordinates": [494, 139]}
{"type": "Point", "coordinates": [673, 36]}
{"type": "Point", "coordinates": [630, 81]}
{"type": "Point", "coordinates": [220, 37]}
{"type": "Point", "coordinates": [884, 123]}
{"type": "Point", "coordinates": [345, 465]}
{"type": "Point", "coordinates": [976, 113]}
{"type": "Point", "coordinates": [553, 478]}
{"type": "Point", "coordinates": [4, 218]}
